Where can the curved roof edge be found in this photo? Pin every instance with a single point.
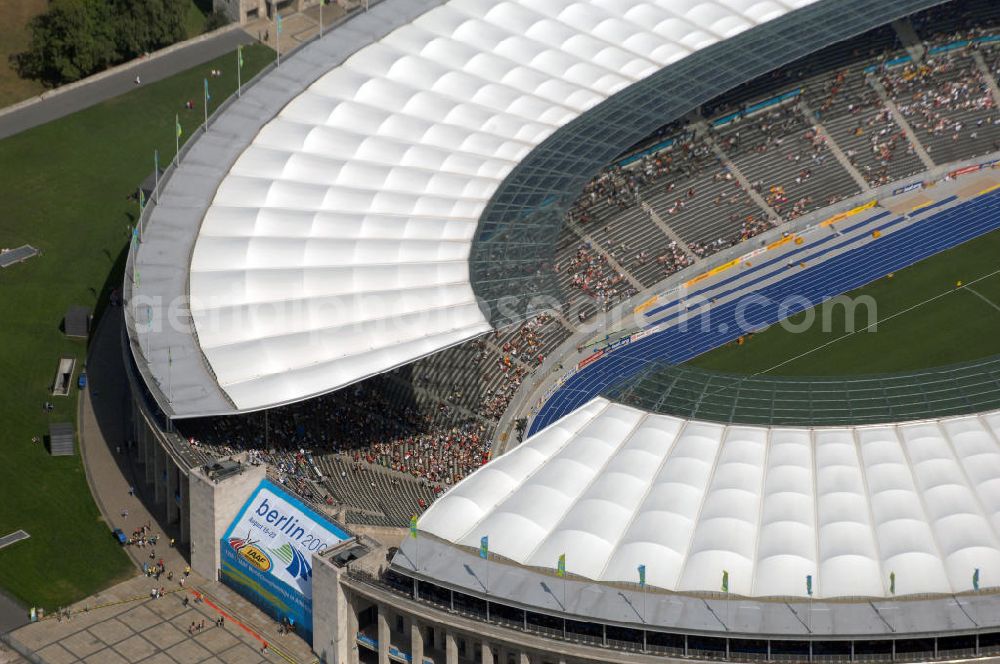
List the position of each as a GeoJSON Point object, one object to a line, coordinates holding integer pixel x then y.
{"type": "Point", "coordinates": [156, 292]}
{"type": "Point", "coordinates": [840, 515]}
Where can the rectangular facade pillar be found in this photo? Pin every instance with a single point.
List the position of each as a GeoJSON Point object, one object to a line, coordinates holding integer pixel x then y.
{"type": "Point", "coordinates": [353, 656]}
{"type": "Point", "coordinates": [185, 525]}
{"type": "Point", "coordinates": [450, 648]}
{"type": "Point", "coordinates": [173, 509]}
{"type": "Point", "coordinates": [383, 635]}
{"type": "Point", "coordinates": [335, 636]}
{"type": "Point", "coordinates": [416, 643]}
{"type": "Point", "coordinates": [159, 480]}
{"type": "Point", "coordinates": [487, 653]}
{"type": "Point", "coordinates": [523, 658]}
{"type": "Point", "coordinates": [217, 503]}
{"type": "Point", "coordinates": [147, 455]}
{"type": "Point", "coordinates": [438, 638]}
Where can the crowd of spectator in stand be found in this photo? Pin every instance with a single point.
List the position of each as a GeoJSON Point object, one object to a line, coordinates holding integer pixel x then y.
{"type": "Point", "coordinates": [374, 428]}
{"type": "Point", "coordinates": [931, 93]}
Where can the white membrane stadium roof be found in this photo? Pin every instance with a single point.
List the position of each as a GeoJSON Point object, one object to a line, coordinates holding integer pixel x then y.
{"type": "Point", "coordinates": [336, 247]}
{"type": "Point", "coordinates": [613, 488]}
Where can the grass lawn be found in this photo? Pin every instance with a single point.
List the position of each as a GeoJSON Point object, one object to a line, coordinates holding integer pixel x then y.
{"type": "Point", "coordinates": [962, 324]}
{"type": "Point", "coordinates": [64, 191]}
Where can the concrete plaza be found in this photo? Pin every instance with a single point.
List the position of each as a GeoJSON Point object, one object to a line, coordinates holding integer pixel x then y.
{"type": "Point", "coordinates": [125, 624]}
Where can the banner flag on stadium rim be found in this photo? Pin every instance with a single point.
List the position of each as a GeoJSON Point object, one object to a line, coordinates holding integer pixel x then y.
{"type": "Point", "coordinates": [413, 526]}
{"type": "Point", "coordinates": [208, 95]}
{"type": "Point", "coordinates": [279, 24]}
{"type": "Point", "coordinates": [484, 546]}
{"type": "Point", "coordinates": [561, 566]}
{"type": "Point", "coordinates": [892, 583]}
{"type": "Point", "coordinates": [809, 584]}
{"type": "Point", "coordinates": [642, 575]}
{"type": "Point", "coordinates": [177, 138]}
{"type": "Point", "coordinates": [239, 70]}
{"type": "Point", "coordinates": [725, 581]}
{"type": "Point", "coordinates": [975, 580]}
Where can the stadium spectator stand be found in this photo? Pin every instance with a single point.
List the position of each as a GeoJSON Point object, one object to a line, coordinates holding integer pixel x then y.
{"type": "Point", "coordinates": [382, 448]}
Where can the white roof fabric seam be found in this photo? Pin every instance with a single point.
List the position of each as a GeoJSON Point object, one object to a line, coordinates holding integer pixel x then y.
{"type": "Point", "coordinates": [762, 495]}
{"type": "Point", "coordinates": [817, 580]}
{"type": "Point", "coordinates": [883, 578]}
{"type": "Point", "coordinates": [701, 506]}
{"type": "Point", "coordinates": [527, 477]}
{"type": "Point", "coordinates": [379, 291]}
{"type": "Point", "coordinates": [642, 500]}
{"type": "Point", "coordinates": [323, 328]}
{"type": "Point", "coordinates": [583, 491]}
{"type": "Point", "coordinates": [920, 494]}
{"type": "Point", "coordinates": [975, 493]}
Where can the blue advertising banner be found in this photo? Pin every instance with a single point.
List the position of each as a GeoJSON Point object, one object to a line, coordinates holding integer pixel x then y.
{"type": "Point", "coordinates": [267, 554]}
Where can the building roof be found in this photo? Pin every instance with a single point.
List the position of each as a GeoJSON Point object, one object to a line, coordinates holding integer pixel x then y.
{"type": "Point", "coordinates": [866, 511]}
{"type": "Point", "coordinates": [336, 245]}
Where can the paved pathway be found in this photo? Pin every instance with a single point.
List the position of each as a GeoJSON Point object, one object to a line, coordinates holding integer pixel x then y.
{"type": "Point", "coordinates": [102, 428]}
{"type": "Point", "coordinates": [120, 82]}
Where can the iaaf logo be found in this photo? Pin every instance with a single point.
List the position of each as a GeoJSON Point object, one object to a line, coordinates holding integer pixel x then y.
{"type": "Point", "coordinates": [297, 565]}
{"type": "Point", "coordinates": [254, 554]}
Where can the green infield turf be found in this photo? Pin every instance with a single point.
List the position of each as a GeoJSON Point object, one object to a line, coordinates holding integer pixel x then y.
{"type": "Point", "coordinates": [924, 320]}
{"type": "Point", "coordinates": [64, 190]}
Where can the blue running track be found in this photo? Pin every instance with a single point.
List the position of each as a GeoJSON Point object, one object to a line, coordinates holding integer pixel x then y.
{"type": "Point", "coordinates": [923, 237]}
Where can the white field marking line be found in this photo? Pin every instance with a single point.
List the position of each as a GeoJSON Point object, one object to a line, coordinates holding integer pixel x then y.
{"type": "Point", "coordinates": [876, 323]}
{"type": "Point", "coordinates": [983, 297]}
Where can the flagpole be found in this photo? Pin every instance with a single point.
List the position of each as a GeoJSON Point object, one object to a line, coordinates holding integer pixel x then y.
{"type": "Point", "coordinates": [177, 140]}
{"type": "Point", "coordinates": [321, 3]}
{"type": "Point", "coordinates": [239, 66]}
{"type": "Point", "coordinates": [277, 34]}
{"type": "Point", "coordinates": [156, 175]}
{"type": "Point", "coordinates": [206, 103]}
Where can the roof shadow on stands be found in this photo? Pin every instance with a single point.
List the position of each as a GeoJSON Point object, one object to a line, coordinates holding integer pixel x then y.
{"type": "Point", "coordinates": [513, 249]}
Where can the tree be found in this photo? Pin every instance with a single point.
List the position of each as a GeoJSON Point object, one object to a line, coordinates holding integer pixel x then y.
{"type": "Point", "coordinates": [73, 39]}
{"type": "Point", "coordinates": [76, 38]}
{"type": "Point", "coordinates": [147, 25]}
